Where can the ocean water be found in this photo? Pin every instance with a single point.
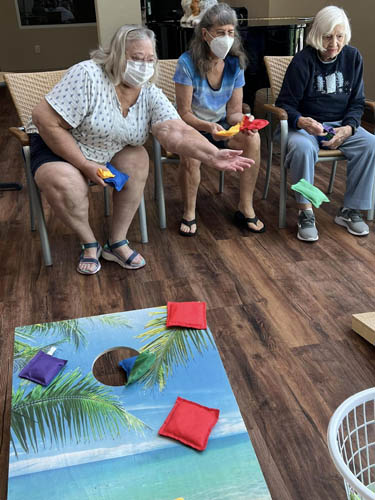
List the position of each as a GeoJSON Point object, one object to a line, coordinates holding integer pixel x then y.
{"type": "Point", "coordinates": [227, 469]}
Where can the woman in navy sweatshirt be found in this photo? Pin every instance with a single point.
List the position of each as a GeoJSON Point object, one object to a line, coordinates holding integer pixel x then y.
{"type": "Point", "coordinates": [323, 87]}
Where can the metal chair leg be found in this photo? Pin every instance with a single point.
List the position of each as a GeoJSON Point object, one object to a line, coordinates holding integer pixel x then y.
{"type": "Point", "coordinates": [370, 212]}
{"type": "Point", "coordinates": [142, 220]}
{"type": "Point", "coordinates": [107, 204]}
{"type": "Point", "coordinates": [221, 182]}
{"type": "Point", "coordinates": [10, 186]}
{"type": "Point", "coordinates": [269, 159]}
{"type": "Point", "coordinates": [332, 178]}
{"type": "Point", "coordinates": [36, 210]}
{"type": "Point", "coordinates": [283, 173]}
{"type": "Point", "coordinates": [29, 181]}
{"type": "Point", "coordinates": [159, 188]}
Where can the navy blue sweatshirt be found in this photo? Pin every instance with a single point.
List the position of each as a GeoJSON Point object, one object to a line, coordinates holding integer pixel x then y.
{"type": "Point", "coordinates": [324, 91]}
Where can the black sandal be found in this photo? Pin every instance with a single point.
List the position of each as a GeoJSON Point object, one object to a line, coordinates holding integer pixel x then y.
{"type": "Point", "coordinates": [188, 223]}
{"type": "Point", "coordinates": [241, 221]}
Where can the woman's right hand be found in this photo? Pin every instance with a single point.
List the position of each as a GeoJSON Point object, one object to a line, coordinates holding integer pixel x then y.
{"type": "Point", "coordinates": [90, 170]}
{"type": "Point", "coordinates": [311, 126]}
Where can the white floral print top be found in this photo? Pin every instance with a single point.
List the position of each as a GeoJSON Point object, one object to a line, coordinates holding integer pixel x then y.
{"type": "Point", "coordinates": [86, 99]}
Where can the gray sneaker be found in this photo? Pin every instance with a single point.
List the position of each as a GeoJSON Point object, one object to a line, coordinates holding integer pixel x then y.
{"type": "Point", "coordinates": [352, 219]}
{"type": "Point", "coordinates": [306, 226]}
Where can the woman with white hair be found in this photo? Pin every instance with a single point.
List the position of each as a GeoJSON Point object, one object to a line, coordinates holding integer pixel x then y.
{"type": "Point", "coordinates": [323, 87]}
{"type": "Point", "coordinates": [102, 111]}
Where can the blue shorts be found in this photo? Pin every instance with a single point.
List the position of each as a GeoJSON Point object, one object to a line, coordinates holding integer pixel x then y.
{"type": "Point", "coordinates": [40, 153]}
{"type": "Point", "coordinates": [219, 144]}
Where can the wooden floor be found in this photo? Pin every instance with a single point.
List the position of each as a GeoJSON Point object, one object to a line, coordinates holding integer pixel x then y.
{"type": "Point", "coordinates": [279, 309]}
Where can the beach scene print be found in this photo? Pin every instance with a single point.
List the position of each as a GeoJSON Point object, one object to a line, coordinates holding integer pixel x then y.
{"type": "Point", "coordinates": [78, 439]}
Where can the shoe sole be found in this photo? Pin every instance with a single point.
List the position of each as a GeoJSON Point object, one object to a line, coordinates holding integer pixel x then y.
{"type": "Point", "coordinates": [113, 258]}
{"type": "Point", "coordinates": [343, 223]}
{"type": "Point", "coordinates": [310, 240]}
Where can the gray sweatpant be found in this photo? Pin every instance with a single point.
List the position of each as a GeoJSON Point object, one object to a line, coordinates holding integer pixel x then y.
{"type": "Point", "coordinates": [359, 149]}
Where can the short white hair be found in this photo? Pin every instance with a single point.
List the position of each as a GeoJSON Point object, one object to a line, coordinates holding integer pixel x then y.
{"type": "Point", "coordinates": [324, 23]}
{"type": "Point", "coordinates": [113, 58]}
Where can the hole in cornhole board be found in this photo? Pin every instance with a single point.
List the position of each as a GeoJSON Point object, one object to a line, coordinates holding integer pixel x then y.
{"type": "Point", "coordinates": [106, 369]}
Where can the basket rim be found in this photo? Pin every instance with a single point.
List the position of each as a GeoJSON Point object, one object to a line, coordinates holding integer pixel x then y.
{"type": "Point", "coordinates": [335, 421]}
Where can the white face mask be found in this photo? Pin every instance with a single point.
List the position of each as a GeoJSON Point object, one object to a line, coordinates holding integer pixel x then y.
{"type": "Point", "coordinates": [221, 45]}
{"type": "Point", "coordinates": [137, 73]}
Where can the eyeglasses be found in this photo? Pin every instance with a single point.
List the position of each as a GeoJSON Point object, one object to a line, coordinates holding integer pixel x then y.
{"type": "Point", "coordinates": [140, 59]}
{"type": "Point", "coordinates": [220, 32]}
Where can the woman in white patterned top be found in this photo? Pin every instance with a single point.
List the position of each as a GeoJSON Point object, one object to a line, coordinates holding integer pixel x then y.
{"type": "Point", "coordinates": [102, 111]}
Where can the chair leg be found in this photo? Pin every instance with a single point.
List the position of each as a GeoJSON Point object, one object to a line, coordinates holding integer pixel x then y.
{"type": "Point", "coordinates": [36, 210]}
{"type": "Point", "coordinates": [332, 178]}
{"type": "Point", "coordinates": [29, 182]}
{"type": "Point", "coordinates": [269, 159]}
{"type": "Point", "coordinates": [143, 220]}
{"type": "Point", "coordinates": [283, 173]}
{"type": "Point", "coordinates": [107, 205]}
{"type": "Point", "coordinates": [10, 186]}
{"type": "Point", "coordinates": [221, 182]}
{"type": "Point", "coordinates": [159, 188]}
{"type": "Point", "coordinates": [370, 212]}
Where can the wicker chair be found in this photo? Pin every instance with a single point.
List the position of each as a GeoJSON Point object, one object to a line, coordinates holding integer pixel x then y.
{"type": "Point", "coordinates": [276, 68]}
{"type": "Point", "coordinates": [27, 90]}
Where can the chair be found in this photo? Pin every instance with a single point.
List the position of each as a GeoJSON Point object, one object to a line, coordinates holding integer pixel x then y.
{"type": "Point", "coordinates": [165, 82]}
{"type": "Point", "coordinates": [276, 68]}
{"type": "Point", "coordinates": [8, 186]}
{"type": "Point", "coordinates": [27, 90]}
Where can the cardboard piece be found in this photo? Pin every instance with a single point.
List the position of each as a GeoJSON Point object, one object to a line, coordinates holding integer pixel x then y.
{"type": "Point", "coordinates": [364, 325]}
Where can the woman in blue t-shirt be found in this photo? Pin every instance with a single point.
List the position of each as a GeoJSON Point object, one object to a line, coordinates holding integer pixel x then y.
{"type": "Point", "coordinates": [209, 80]}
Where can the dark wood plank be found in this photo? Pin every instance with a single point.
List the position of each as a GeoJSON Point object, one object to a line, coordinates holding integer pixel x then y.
{"type": "Point", "coordinates": [280, 310]}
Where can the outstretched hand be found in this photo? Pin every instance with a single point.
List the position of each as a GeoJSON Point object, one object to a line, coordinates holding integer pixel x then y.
{"type": "Point", "coordinates": [230, 159]}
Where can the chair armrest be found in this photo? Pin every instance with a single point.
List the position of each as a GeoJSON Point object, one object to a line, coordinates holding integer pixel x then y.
{"type": "Point", "coordinates": [20, 134]}
{"type": "Point", "coordinates": [280, 113]}
{"type": "Point", "coordinates": [368, 118]}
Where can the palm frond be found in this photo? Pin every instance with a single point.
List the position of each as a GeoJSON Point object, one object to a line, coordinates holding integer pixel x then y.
{"type": "Point", "coordinates": [112, 320]}
{"type": "Point", "coordinates": [172, 347]}
{"type": "Point", "coordinates": [71, 407]}
{"type": "Point", "coordinates": [70, 330]}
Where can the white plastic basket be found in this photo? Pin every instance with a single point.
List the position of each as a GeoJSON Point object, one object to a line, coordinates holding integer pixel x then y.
{"type": "Point", "coordinates": [351, 443]}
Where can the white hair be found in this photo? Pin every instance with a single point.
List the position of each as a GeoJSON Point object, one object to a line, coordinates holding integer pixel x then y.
{"type": "Point", "coordinates": [324, 23]}
{"type": "Point", "coordinates": [113, 58]}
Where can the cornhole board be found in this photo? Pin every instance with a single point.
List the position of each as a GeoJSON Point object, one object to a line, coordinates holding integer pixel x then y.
{"type": "Point", "coordinates": [68, 441]}
{"type": "Point", "coordinates": [364, 325]}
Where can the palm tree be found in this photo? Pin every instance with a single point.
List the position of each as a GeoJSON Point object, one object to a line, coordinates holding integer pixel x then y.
{"type": "Point", "coordinates": [70, 407]}
{"type": "Point", "coordinates": [71, 330]}
{"type": "Point", "coordinates": [172, 347]}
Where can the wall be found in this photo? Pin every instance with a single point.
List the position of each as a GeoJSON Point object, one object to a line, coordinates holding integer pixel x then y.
{"type": "Point", "coordinates": [59, 47]}
{"type": "Point", "coordinates": [361, 14]}
{"type": "Point", "coordinates": [254, 9]}
{"type": "Point", "coordinates": [111, 14]}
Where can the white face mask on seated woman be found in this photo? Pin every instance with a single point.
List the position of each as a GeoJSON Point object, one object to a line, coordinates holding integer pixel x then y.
{"type": "Point", "coordinates": [137, 73]}
{"type": "Point", "coordinates": [221, 45]}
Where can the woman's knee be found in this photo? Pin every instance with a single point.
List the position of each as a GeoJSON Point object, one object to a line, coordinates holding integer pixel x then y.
{"type": "Point", "coordinates": [132, 160]}
{"type": "Point", "coordinates": [61, 180]}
